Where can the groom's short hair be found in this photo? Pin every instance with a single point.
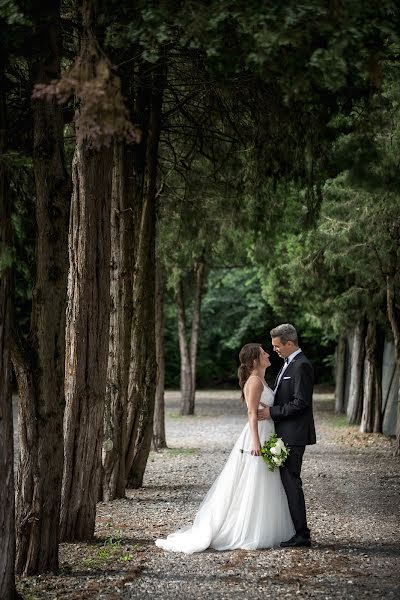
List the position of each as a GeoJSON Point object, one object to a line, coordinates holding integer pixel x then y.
{"type": "Point", "coordinates": [286, 332]}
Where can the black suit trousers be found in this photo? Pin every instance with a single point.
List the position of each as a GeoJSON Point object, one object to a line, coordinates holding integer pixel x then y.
{"type": "Point", "coordinates": [290, 475]}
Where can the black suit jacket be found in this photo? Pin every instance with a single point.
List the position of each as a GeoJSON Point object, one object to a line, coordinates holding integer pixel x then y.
{"type": "Point", "coordinates": [292, 410]}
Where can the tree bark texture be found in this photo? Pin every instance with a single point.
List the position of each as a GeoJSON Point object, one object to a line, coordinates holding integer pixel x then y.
{"type": "Point", "coordinates": [394, 319]}
{"type": "Point", "coordinates": [372, 394]}
{"type": "Point", "coordinates": [194, 340]}
{"type": "Point", "coordinates": [143, 367]}
{"type": "Point", "coordinates": [87, 334]}
{"type": "Point", "coordinates": [159, 438]}
{"type": "Point", "coordinates": [188, 349]}
{"type": "Point", "coordinates": [7, 508]}
{"type": "Point", "coordinates": [369, 379]}
{"type": "Point", "coordinates": [378, 408]}
{"type": "Point", "coordinates": [340, 372]}
{"type": "Point", "coordinates": [121, 311]}
{"type": "Point", "coordinates": [39, 364]}
{"type": "Point", "coordinates": [184, 350]}
{"type": "Point", "coordinates": [88, 313]}
{"type": "Point", "coordinates": [354, 407]}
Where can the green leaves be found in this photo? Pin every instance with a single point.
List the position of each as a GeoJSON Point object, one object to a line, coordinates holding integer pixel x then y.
{"type": "Point", "coordinates": [274, 452]}
{"type": "Point", "coordinates": [331, 68]}
{"type": "Point", "coordinates": [11, 13]}
{"type": "Point", "coordinates": [7, 258]}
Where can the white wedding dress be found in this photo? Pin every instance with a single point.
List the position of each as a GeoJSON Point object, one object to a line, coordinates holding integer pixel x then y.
{"type": "Point", "coordinates": [246, 507]}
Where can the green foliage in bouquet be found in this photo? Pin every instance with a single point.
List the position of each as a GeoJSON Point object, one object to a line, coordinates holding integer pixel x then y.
{"type": "Point", "coordinates": [274, 452]}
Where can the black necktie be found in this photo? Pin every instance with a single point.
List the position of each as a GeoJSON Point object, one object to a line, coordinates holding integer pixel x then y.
{"type": "Point", "coordinates": [286, 360]}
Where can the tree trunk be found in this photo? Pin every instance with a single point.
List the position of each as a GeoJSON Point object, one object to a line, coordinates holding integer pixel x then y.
{"type": "Point", "coordinates": [7, 509]}
{"type": "Point", "coordinates": [122, 248]}
{"type": "Point", "coordinates": [88, 311]}
{"type": "Point", "coordinates": [187, 406]}
{"type": "Point", "coordinates": [372, 396]}
{"type": "Point", "coordinates": [159, 410]}
{"type": "Point", "coordinates": [143, 368]}
{"type": "Point", "coordinates": [394, 320]}
{"type": "Point", "coordinates": [200, 267]}
{"type": "Point", "coordinates": [87, 336]}
{"type": "Point", "coordinates": [369, 379]}
{"type": "Point", "coordinates": [340, 375]}
{"type": "Point", "coordinates": [378, 408]}
{"type": "Point", "coordinates": [39, 366]}
{"type": "Point", "coordinates": [188, 351]}
{"type": "Point", "coordinates": [354, 407]}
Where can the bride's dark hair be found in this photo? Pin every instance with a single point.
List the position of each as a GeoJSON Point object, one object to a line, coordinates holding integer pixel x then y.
{"type": "Point", "coordinates": [248, 354]}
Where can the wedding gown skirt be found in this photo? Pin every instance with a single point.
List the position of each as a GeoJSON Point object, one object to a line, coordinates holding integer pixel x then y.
{"type": "Point", "coordinates": [246, 507]}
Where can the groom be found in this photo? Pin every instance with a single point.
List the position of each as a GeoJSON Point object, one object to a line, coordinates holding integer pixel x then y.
{"type": "Point", "coordinates": [294, 422]}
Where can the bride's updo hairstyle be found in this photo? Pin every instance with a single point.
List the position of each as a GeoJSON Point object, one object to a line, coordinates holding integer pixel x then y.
{"type": "Point", "coordinates": [248, 354]}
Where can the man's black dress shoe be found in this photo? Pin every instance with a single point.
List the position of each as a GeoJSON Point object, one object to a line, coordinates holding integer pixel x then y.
{"type": "Point", "coordinates": [296, 541]}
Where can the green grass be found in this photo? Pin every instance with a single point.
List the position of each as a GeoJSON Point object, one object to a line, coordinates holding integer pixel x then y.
{"type": "Point", "coordinates": [337, 420]}
{"type": "Point", "coordinates": [181, 451]}
{"type": "Point", "coordinates": [179, 417]}
{"type": "Point", "coordinates": [115, 540]}
{"type": "Point", "coordinates": [105, 556]}
{"type": "Point", "coordinates": [111, 549]}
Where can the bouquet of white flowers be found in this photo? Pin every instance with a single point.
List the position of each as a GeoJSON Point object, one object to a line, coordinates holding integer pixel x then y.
{"type": "Point", "coordinates": [274, 452]}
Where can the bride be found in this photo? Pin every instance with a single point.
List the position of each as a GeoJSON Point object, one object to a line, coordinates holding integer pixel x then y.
{"type": "Point", "coordinates": [246, 507]}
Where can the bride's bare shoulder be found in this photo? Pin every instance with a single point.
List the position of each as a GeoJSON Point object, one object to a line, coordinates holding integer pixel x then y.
{"type": "Point", "coordinates": [253, 383]}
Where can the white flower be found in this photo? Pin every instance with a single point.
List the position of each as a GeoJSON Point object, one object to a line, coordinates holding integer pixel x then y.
{"type": "Point", "coordinates": [274, 450]}
{"type": "Point", "coordinates": [280, 444]}
{"type": "Point", "coordinates": [276, 460]}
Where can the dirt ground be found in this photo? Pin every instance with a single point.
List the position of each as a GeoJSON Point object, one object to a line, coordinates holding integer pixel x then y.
{"type": "Point", "coordinates": [352, 489]}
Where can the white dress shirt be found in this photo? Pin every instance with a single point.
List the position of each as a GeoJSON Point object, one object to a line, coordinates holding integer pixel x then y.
{"type": "Point", "coordinates": [291, 356]}
{"type": "Point", "coordinates": [287, 362]}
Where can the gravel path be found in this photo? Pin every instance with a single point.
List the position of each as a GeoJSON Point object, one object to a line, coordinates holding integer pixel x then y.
{"type": "Point", "coordinates": [352, 485]}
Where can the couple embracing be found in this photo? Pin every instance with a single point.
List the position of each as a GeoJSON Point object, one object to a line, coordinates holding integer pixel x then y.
{"type": "Point", "coordinates": [248, 505]}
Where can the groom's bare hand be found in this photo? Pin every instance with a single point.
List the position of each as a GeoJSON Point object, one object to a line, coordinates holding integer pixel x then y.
{"type": "Point", "coordinates": [263, 413]}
